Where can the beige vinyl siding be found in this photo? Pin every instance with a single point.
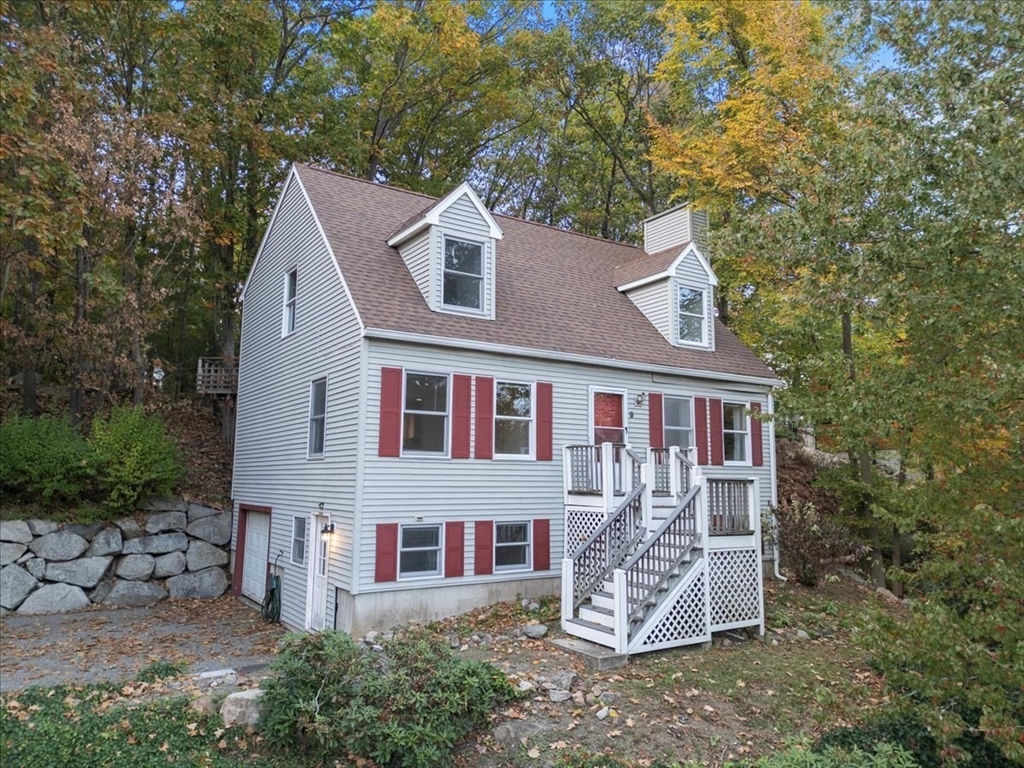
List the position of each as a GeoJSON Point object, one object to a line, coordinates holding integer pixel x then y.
{"type": "Point", "coordinates": [668, 229]}
{"type": "Point", "coordinates": [462, 220]}
{"type": "Point", "coordinates": [271, 468]}
{"type": "Point", "coordinates": [416, 254]}
{"type": "Point", "coordinates": [691, 274]}
{"type": "Point", "coordinates": [655, 302]}
{"type": "Point", "coordinates": [439, 490]}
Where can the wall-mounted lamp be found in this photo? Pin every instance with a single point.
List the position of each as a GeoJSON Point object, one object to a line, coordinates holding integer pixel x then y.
{"type": "Point", "coordinates": [321, 506]}
{"type": "Point", "coordinates": [640, 398]}
{"type": "Point", "coordinates": [326, 531]}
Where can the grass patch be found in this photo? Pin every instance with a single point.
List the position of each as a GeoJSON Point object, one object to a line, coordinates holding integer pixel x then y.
{"type": "Point", "coordinates": [161, 670]}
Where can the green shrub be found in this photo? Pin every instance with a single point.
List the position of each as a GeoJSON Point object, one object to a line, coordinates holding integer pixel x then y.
{"type": "Point", "coordinates": [874, 755]}
{"type": "Point", "coordinates": [809, 541]}
{"type": "Point", "coordinates": [134, 457]}
{"type": "Point", "coordinates": [43, 457]}
{"type": "Point", "coordinates": [404, 708]}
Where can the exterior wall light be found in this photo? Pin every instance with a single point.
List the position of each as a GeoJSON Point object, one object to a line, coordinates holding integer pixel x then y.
{"type": "Point", "coordinates": [326, 531]}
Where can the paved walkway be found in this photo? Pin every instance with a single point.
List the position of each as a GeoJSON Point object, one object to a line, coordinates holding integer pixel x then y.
{"type": "Point", "coordinates": [103, 644]}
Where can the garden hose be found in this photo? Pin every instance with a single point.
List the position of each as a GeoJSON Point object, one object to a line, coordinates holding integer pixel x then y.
{"type": "Point", "coordinates": [271, 609]}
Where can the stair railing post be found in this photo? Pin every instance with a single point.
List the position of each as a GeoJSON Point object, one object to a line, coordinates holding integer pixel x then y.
{"type": "Point", "coordinates": [674, 470]}
{"type": "Point", "coordinates": [568, 591]}
{"type": "Point", "coordinates": [646, 471]}
{"type": "Point", "coordinates": [621, 612]}
{"type": "Point", "coordinates": [608, 477]}
{"type": "Point", "coordinates": [566, 474]}
{"type": "Point", "coordinates": [755, 510]}
{"type": "Point", "coordinates": [701, 511]}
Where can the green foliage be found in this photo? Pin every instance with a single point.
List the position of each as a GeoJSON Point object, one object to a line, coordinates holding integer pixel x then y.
{"type": "Point", "coordinates": [161, 670]}
{"type": "Point", "coordinates": [134, 457]}
{"type": "Point", "coordinates": [407, 707]}
{"type": "Point", "coordinates": [43, 457]}
{"type": "Point", "coordinates": [809, 541]}
{"type": "Point", "coordinates": [877, 754]}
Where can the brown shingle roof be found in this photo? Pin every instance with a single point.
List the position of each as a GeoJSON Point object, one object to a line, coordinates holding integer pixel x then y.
{"type": "Point", "coordinates": [554, 290]}
{"type": "Point", "coordinates": [647, 264]}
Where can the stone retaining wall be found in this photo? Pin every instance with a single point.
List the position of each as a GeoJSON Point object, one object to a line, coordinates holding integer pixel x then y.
{"type": "Point", "coordinates": [170, 548]}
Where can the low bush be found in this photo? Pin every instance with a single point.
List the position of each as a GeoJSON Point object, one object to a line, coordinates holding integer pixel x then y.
{"type": "Point", "coordinates": [809, 542]}
{"type": "Point", "coordinates": [873, 755]}
{"type": "Point", "coordinates": [406, 707]}
{"type": "Point", "coordinates": [44, 458]}
{"type": "Point", "coordinates": [134, 457]}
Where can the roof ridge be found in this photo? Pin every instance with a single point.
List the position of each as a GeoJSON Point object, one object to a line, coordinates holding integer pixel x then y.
{"type": "Point", "coordinates": [361, 180]}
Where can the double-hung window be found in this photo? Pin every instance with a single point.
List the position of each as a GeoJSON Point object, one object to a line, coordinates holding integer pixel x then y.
{"type": "Point", "coordinates": [691, 316]}
{"type": "Point", "coordinates": [511, 546]}
{"type": "Point", "coordinates": [678, 425]}
{"type": "Point", "coordinates": [513, 419]}
{"type": "Point", "coordinates": [425, 417]}
{"type": "Point", "coordinates": [317, 418]}
{"type": "Point", "coordinates": [463, 274]}
{"type": "Point", "coordinates": [299, 540]}
{"type": "Point", "coordinates": [291, 285]}
{"type": "Point", "coordinates": [419, 553]}
{"type": "Point", "coordinates": [735, 431]}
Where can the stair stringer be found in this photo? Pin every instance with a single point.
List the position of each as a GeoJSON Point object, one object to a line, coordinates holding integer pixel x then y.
{"type": "Point", "coordinates": [683, 616]}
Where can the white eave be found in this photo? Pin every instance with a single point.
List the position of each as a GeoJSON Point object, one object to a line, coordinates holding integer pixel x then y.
{"type": "Point", "coordinates": [433, 216]}
{"type": "Point", "coordinates": [671, 269]}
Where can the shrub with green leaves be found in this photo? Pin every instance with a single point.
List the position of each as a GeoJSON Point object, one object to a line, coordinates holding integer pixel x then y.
{"type": "Point", "coordinates": [405, 707]}
{"type": "Point", "coordinates": [43, 457]}
{"type": "Point", "coordinates": [874, 755]}
{"type": "Point", "coordinates": [809, 541]}
{"type": "Point", "coordinates": [134, 457]}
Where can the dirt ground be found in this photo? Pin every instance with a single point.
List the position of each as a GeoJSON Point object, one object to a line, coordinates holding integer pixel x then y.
{"type": "Point", "coordinates": [102, 644]}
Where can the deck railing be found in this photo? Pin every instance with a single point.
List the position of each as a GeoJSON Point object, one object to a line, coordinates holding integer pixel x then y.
{"type": "Point", "coordinates": [661, 465]}
{"type": "Point", "coordinates": [585, 476]}
{"type": "Point", "coordinates": [729, 506]}
{"type": "Point", "coordinates": [214, 376]}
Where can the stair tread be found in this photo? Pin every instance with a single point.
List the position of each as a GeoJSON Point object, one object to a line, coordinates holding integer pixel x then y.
{"type": "Point", "coordinates": [591, 625]}
{"type": "Point", "coordinates": [598, 609]}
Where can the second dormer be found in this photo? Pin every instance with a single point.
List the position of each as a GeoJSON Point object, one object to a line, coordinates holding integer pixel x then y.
{"type": "Point", "coordinates": [673, 283]}
{"type": "Point", "coordinates": [451, 250]}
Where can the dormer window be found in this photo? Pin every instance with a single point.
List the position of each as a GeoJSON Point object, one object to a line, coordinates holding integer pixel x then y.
{"type": "Point", "coordinates": [692, 316]}
{"type": "Point", "coordinates": [463, 274]}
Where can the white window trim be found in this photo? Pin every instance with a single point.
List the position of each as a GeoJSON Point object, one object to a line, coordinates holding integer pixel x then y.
{"type": "Point", "coordinates": [305, 541]}
{"type": "Point", "coordinates": [533, 423]}
{"type": "Point", "coordinates": [677, 287]}
{"type": "Point", "coordinates": [664, 413]}
{"type": "Point", "coordinates": [447, 414]}
{"type": "Point", "coordinates": [286, 302]}
{"type": "Point", "coordinates": [484, 271]}
{"type": "Point", "coordinates": [594, 389]}
{"type": "Point", "coordinates": [309, 420]}
{"type": "Point", "coordinates": [440, 552]}
{"type": "Point", "coordinates": [529, 547]}
{"type": "Point", "coordinates": [746, 435]}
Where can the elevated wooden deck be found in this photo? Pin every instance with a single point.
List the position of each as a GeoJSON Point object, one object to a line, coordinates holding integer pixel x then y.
{"type": "Point", "coordinates": [214, 376]}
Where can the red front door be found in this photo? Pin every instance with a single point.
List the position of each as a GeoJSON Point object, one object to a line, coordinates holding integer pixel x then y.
{"type": "Point", "coordinates": [608, 423]}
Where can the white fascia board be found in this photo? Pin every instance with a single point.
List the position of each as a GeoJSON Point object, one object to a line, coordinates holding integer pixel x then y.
{"type": "Point", "coordinates": [627, 287]}
{"type": "Point", "coordinates": [433, 217]}
{"type": "Point", "coordinates": [545, 354]}
{"type": "Point", "coordinates": [691, 248]}
{"type": "Point", "coordinates": [330, 252]}
{"type": "Point", "coordinates": [270, 226]}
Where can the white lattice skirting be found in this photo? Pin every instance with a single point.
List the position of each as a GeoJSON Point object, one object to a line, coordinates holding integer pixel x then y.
{"type": "Point", "coordinates": [735, 586]}
{"type": "Point", "coordinates": [580, 524]}
{"type": "Point", "coordinates": [684, 623]}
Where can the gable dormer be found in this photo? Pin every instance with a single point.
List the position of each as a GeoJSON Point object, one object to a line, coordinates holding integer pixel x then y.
{"type": "Point", "coordinates": [450, 249]}
{"type": "Point", "coordinates": [673, 284]}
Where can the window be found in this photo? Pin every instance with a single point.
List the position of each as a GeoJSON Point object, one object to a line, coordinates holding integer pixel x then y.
{"type": "Point", "coordinates": [317, 417]}
{"type": "Point", "coordinates": [420, 551]}
{"type": "Point", "coordinates": [734, 428]}
{"type": "Point", "coordinates": [513, 414]}
{"type": "Point", "coordinates": [511, 546]}
{"type": "Point", "coordinates": [463, 274]}
{"type": "Point", "coordinates": [678, 426]}
{"type": "Point", "coordinates": [691, 315]}
{"type": "Point", "coordinates": [425, 419]}
{"type": "Point", "coordinates": [290, 288]}
{"type": "Point", "coordinates": [299, 540]}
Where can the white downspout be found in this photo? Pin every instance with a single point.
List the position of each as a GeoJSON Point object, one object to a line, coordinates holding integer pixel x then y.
{"type": "Point", "coordinates": [775, 487]}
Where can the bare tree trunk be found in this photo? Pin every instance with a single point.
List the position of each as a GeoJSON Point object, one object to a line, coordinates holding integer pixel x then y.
{"type": "Point", "coordinates": [77, 361]}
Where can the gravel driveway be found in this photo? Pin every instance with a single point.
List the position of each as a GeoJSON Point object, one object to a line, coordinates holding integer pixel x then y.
{"type": "Point", "coordinates": [104, 644]}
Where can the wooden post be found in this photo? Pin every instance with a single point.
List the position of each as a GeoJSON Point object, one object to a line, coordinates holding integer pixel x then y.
{"type": "Point", "coordinates": [567, 591]}
{"type": "Point", "coordinates": [566, 474]}
{"type": "Point", "coordinates": [646, 473]}
{"type": "Point", "coordinates": [608, 477]}
{"type": "Point", "coordinates": [675, 471]}
{"type": "Point", "coordinates": [621, 612]}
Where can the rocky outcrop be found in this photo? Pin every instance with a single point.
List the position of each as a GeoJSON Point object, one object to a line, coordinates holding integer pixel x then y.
{"type": "Point", "coordinates": [175, 549]}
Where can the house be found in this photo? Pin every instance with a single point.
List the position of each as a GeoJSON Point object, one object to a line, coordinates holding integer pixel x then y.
{"type": "Point", "coordinates": [440, 408]}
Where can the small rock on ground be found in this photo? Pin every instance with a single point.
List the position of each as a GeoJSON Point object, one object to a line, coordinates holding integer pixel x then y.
{"type": "Point", "coordinates": [535, 631]}
{"type": "Point", "coordinates": [242, 708]}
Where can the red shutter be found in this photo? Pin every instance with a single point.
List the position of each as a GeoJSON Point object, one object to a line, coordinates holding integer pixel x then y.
{"type": "Point", "coordinates": [545, 419]}
{"type": "Point", "coordinates": [656, 420]}
{"type": "Point", "coordinates": [462, 394]}
{"type": "Point", "coordinates": [756, 438]}
{"type": "Point", "coordinates": [717, 436]}
{"type": "Point", "coordinates": [484, 549]}
{"type": "Point", "coordinates": [700, 414]}
{"type": "Point", "coordinates": [454, 549]}
{"type": "Point", "coordinates": [542, 544]}
{"type": "Point", "coordinates": [484, 418]}
{"type": "Point", "coordinates": [390, 438]}
{"type": "Point", "coordinates": [386, 567]}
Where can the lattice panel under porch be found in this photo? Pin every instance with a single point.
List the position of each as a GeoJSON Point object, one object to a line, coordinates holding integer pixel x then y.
{"type": "Point", "coordinates": [734, 576]}
{"type": "Point", "coordinates": [580, 524]}
{"type": "Point", "coordinates": [684, 624]}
